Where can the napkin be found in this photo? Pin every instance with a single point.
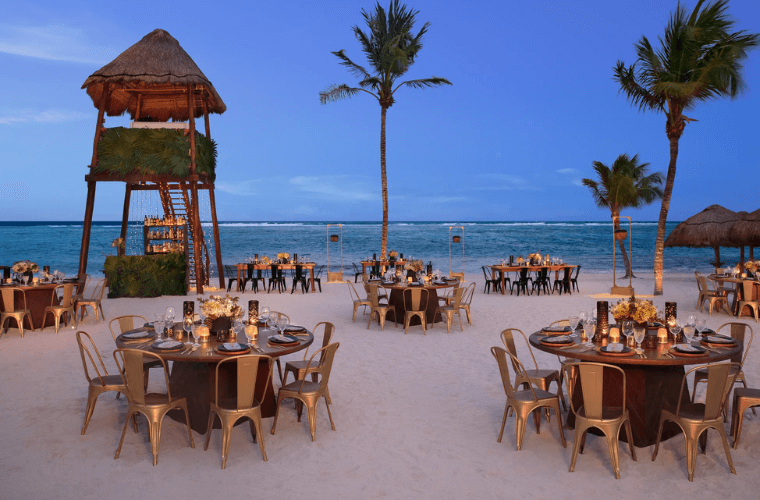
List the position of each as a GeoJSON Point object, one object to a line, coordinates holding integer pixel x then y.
{"type": "Point", "coordinates": [563, 339]}
{"type": "Point", "coordinates": [136, 334]}
{"type": "Point", "coordinates": [557, 329]}
{"type": "Point", "coordinates": [232, 346]}
{"type": "Point", "coordinates": [169, 344]}
{"type": "Point", "coordinates": [718, 339]}
{"type": "Point", "coordinates": [294, 328]}
{"type": "Point", "coordinates": [614, 348]}
{"type": "Point", "coordinates": [688, 348]}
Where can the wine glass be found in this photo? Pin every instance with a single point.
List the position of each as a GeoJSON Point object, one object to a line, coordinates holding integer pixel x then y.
{"type": "Point", "coordinates": [700, 326]}
{"type": "Point", "coordinates": [194, 331]}
{"type": "Point", "coordinates": [588, 328]}
{"type": "Point", "coordinates": [265, 314]}
{"type": "Point", "coordinates": [272, 322]}
{"type": "Point", "coordinates": [638, 336]}
{"type": "Point", "coordinates": [25, 277]}
{"type": "Point", "coordinates": [691, 320]}
{"type": "Point", "coordinates": [574, 320]}
{"type": "Point", "coordinates": [582, 318]}
{"type": "Point", "coordinates": [675, 329]}
{"type": "Point", "coordinates": [627, 330]}
{"type": "Point", "coordinates": [187, 325]}
{"type": "Point", "coordinates": [158, 326]}
{"type": "Point", "coordinates": [169, 316]}
{"type": "Point", "coordinates": [688, 332]}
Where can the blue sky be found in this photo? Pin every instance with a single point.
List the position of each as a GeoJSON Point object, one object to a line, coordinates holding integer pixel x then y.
{"type": "Point", "coordinates": [532, 105]}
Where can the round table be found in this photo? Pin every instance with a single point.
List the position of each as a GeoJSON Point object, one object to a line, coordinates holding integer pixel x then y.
{"type": "Point", "coordinates": [739, 292]}
{"type": "Point", "coordinates": [396, 299]}
{"type": "Point", "coordinates": [652, 383]}
{"type": "Point", "coordinates": [38, 297]}
{"type": "Point", "coordinates": [193, 376]}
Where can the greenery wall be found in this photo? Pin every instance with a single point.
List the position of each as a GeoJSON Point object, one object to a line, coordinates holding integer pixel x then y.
{"type": "Point", "coordinates": [123, 151]}
{"type": "Point", "coordinates": [146, 275]}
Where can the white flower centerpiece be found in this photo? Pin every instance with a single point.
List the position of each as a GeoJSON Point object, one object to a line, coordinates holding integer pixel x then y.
{"type": "Point", "coordinates": [220, 312]}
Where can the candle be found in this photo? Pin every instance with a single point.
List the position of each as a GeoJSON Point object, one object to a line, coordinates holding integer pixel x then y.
{"type": "Point", "coordinates": [602, 319]}
{"type": "Point", "coordinates": [671, 313]}
{"type": "Point", "coordinates": [35, 281]}
{"type": "Point", "coordinates": [253, 311]}
{"type": "Point", "coordinates": [252, 331]}
{"type": "Point", "coordinates": [662, 335]}
{"type": "Point", "coordinates": [202, 332]}
{"type": "Point", "coordinates": [614, 334]}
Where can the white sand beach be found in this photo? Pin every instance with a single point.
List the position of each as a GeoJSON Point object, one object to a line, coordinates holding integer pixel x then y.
{"type": "Point", "coordinates": [416, 417]}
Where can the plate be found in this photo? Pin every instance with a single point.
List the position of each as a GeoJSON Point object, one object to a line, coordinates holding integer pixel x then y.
{"type": "Point", "coordinates": [718, 340]}
{"type": "Point", "coordinates": [232, 348]}
{"type": "Point", "coordinates": [557, 330]}
{"type": "Point", "coordinates": [283, 339]}
{"type": "Point", "coordinates": [168, 345]}
{"type": "Point", "coordinates": [687, 350]}
{"type": "Point", "coordinates": [707, 331]}
{"type": "Point", "coordinates": [616, 350]}
{"type": "Point", "coordinates": [294, 329]}
{"type": "Point", "coordinates": [559, 340]}
{"type": "Point", "coordinates": [137, 335]}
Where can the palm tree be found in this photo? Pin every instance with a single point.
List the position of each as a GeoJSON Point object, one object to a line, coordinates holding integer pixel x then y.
{"type": "Point", "coordinates": [699, 59]}
{"type": "Point", "coordinates": [391, 49]}
{"type": "Point", "coordinates": [625, 185]}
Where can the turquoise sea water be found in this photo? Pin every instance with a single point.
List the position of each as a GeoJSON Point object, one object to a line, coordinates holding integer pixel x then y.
{"type": "Point", "coordinates": [57, 244]}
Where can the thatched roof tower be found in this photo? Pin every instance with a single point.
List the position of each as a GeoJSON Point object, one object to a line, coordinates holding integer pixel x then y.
{"type": "Point", "coordinates": [149, 78]}
{"type": "Point", "coordinates": [708, 228]}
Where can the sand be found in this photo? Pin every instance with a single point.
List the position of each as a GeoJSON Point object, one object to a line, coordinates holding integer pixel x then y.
{"type": "Point", "coordinates": [416, 417]}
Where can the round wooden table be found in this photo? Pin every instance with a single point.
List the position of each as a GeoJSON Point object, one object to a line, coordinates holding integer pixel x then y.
{"type": "Point", "coordinates": [396, 299]}
{"type": "Point", "coordinates": [193, 376]}
{"type": "Point", "coordinates": [652, 383]}
{"type": "Point", "coordinates": [38, 297]}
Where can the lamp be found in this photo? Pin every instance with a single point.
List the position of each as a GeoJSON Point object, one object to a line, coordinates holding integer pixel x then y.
{"type": "Point", "coordinates": [602, 320]}
{"type": "Point", "coordinates": [671, 313]}
{"type": "Point", "coordinates": [188, 308]}
{"type": "Point", "coordinates": [253, 311]}
{"type": "Point", "coordinates": [334, 237]}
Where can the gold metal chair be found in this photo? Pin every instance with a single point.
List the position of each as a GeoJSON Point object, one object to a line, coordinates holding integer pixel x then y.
{"type": "Point", "coordinates": [447, 298]}
{"type": "Point", "coordinates": [743, 399]}
{"type": "Point", "coordinates": [127, 323]}
{"type": "Point", "coordinates": [710, 295]}
{"type": "Point", "coordinates": [10, 312]}
{"type": "Point", "coordinates": [245, 405]}
{"type": "Point", "coordinates": [154, 406]}
{"type": "Point", "coordinates": [358, 301]}
{"type": "Point", "coordinates": [93, 301]}
{"type": "Point", "coordinates": [524, 402]}
{"type": "Point", "coordinates": [695, 418]}
{"type": "Point", "coordinates": [379, 308]}
{"type": "Point", "coordinates": [279, 317]}
{"type": "Point", "coordinates": [308, 393]}
{"type": "Point", "coordinates": [449, 310]}
{"type": "Point", "coordinates": [300, 369]}
{"type": "Point", "coordinates": [65, 305]}
{"type": "Point", "coordinates": [592, 413]}
{"type": "Point", "coordinates": [81, 287]}
{"type": "Point", "coordinates": [103, 382]}
{"type": "Point", "coordinates": [563, 361]}
{"type": "Point", "coordinates": [746, 301]}
{"type": "Point", "coordinates": [738, 332]}
{"type": "Point", "coordinates": [415, 305]}
{"type": "Point", "coordinates": [541, 378]}
{"type": "Point", "coordinates": [467, 301]}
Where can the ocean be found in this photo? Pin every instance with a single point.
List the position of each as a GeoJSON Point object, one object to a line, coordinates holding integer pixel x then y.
{"type": "Point", "coordinates": [586, 243]}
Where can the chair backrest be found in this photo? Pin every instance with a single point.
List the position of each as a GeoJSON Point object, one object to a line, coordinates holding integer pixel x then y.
{"type": "Point", "coordinates": [133, 375]}
{"type": "Point", "coordinates": [507, 338]}
{"type": "Point", "coordinates": [592, 387]}
{"type": "Point", "coordinates": [97, 293]}
{"type": "Point", "coordinates": [561, 322]}
{"type": "Point", "coordinates": [501, 358]}
{"type": "Point", "coordinates": [543, 272]}
{"type": "Point", "coordinates": [747, 290]}
{"type": "Point", "coordinates": [273, 268]}
{"type": "Point", "coordinates": [739, 332]}
{"type": "Point", "coordinates": [82, 285]}
{"type": "Point", "coordinates": [83, 349]}
{"type": "Point", "coordinates": [327, 335]}
{"type": "Point", "coordinates": [577, 272]}
{"type": "Point", "coordinates": [280, 316]}
{"type": "Point", "coordinates": [524, 274]}
{"type": "Point", "coordinates": [467, 294]}
{"type": "Point", "coordinates": [66, 299]}
{"type": "Point", "coordinates": [486, 274]}
{"type": "Point", "coordinates": [249, 269]}
{"type": "Point", "coordinates": [356, 268]}
{"type": "Point", "coordinates": [566, 275]}
{"type": "Point", "coordinates": [415, 299]}
{"type": "Point", "coordinates": [247, 374]}
{"type": "Point", "coordinates": [9, 299]}
{"type": "Point", "coordinates": [372, 293]}
{"type": "Point", "coordinates": [456, 294]}
{"type": "Point", "coordinates": [318, 274]}
{"type": "Point", "coordinates": [126, 323]}
{"type": "Point", "coordinates": [326, 356]}
{"type": "Point", "coordinates": [704, 287]}
{"type": "Point", "coordinates": [298, 271]}
{"type": "Point", "coordinates": [230, 271]}
{"type": "Point", "coordinates": [719, 382]}
{"type": "Point", "coordinates": [699, 281]}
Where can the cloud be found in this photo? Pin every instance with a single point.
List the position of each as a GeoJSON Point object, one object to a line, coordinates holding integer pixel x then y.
{"type": "Point", "coordinates": [503, 182]}
{"type": "Point", "coordinates": [577, 182]}
{"type": "Point", "coordinates": [567, 171]}
{"type": "Point", "coordinates": [54, 42]}
{"type": "Point", "coordinates": [49, 116]}
{"type": "Point", "coordinates": [340, 188]}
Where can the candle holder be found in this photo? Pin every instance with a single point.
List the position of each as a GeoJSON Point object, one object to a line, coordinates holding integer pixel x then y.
{"type": "Point", "coordinates": [671, 312]}
{"type": "Point", "coordinates": [188, 308]}
{"type": "Point", "coordinates": [253, 311]}
{"type": "Point", "coordinates": [602, 320]}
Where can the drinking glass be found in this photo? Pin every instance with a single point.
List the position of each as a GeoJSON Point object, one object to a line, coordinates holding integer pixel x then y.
{"type": "Point", "coordinates": [588, 328]}
{"type": "Point", "coordinates": [237, 326]}
{"type": "Point", "coordinates": [574, 320]}
{"type": "Point", "coordinates": [675, 329]}
{"type": "Point", "coordinates": [25, 278]}
{"type": "Point", "coordinates": [265, 314]}
{"type": "Point", "coordinates": [582, 317]}
{"type": "Point", "coordinates": [158, 326]}
{"type": "Point", "coordinates": [688, 332]}
{"type": "Point", "coordinates": [638, 335]}
{"type": "Point", "coordinates": [272, 322]}
{"type": "Point", "coordinates": [187, 325]}
{"type": "Point", "coordinates": [169, 314]}
{"type": "Point", "coordinates": [627, 330]}
{"type": "Point", "coordinates": [194, 331]}
{"type": "Point", "coordinates": [700, 326]}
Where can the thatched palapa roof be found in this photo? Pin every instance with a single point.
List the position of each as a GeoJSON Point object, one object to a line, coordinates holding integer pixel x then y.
{"type": "Point", "coordinates": [152, 76]}
{"type": "Point", "coordinates": [746, 232]}
{"type": "Point", "coordinates": [709, 228]}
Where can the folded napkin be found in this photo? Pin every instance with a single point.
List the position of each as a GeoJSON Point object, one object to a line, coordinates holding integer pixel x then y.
{"type": "Point", "coordinates": [136, 334]}
{"type": "Point", "coordinates": [557, 329]}
{"type": "Point", "coordinates": [718, 339]}
{"type": "Point", "coordinates": [562, 339]}
{"type": "Point", "coordinates": [233, 346]}
{"type": "Point", "coordinates": [614, 348]}
{"type": "Point", "coordinates": [688, 348]}
{"type": "Point", "coordinates": [294, 328]}
{"type": "Point", "coordinates": [169, 344]}
{"type": "Point", "coordinates": [283, 339]}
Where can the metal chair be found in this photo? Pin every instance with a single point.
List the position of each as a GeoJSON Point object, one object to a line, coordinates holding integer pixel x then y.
{"type": "Point", "coordinates": [489, 282]}
{"type": "Point", "coordinates": [299, 277]}
{"type": "Point", "coordinates": [542, 281]}
{"type": "Point", "coordinates": [538, 377]}
{"type": "Point", "coordinates": [466, 301]}
{"type": "Point", "coordinates": [378, 308]}
{"type": "Point", "coordinates": [300, 369]}
{"type": "Point", "coordinates": [592, 413]}
{"type": "Point", "coordinates": [746, 301]}
{"type": "Point", "coordinates": [743, 399]}
{"type": "Point", "coordinates": [563, 285]}
{"type": "Point", "coordinates": [450, 310]}
{"type": "Point", "coordinates": [415, 305]}
{"type": "Point", "coordinates": [574, 280]}
{"type": "Point", "coordinates": [276, 279]}
{"type": "Point", "coordinates": [695, 418]}
{"type": "Point", "coordinates": [127, 323]}
{"type": "Point", "coordinates": [357, 272]}
{"type": "Point", "coordinates": [524, 402]}
{"type": "Point", "coordinates": [244, 405]}
{"type": "Point", "coordinates": [522, 282]}
{"type": "Point", "coordinates": [706, 293]}
{"type": "Point", "coordinates": [357, 300]}
{"type": "Point", "coordinates": [103, 382]}
{"type": "Point", "coordinates": [94, 301]}
{"type": "Point", "coordinates": [309, 392]}
{"type": "Point", "coordinates": [231, 274]}
{"type": "Point", "coordinates": [317, 278]}
{"type": "Point", "coordinates": [65, 305]}
{"type": "Point", "coordinates": [10, 311]}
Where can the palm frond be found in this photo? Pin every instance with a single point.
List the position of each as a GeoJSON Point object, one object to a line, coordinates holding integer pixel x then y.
{"type": "Point", "coordinates": [353, 68]}
{"type": "Point", "coordinates": [337, 92]}
{"type": "Point", "coordinates": [600, 198]}
{"type": "Point", "coordinates": [424, 83]}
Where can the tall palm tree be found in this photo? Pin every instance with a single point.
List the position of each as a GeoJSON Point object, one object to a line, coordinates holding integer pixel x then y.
{"type": "Point", "coordinates": [699, 59]}
{"type": "Point", "coordinates": [625, 185]}
{"type": "Point", "coordinates": [391, 49]}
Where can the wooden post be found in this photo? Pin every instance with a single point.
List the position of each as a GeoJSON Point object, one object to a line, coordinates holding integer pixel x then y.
{"type": "Point", "coordinates": [99, 124]}
{"type": "Point", "coordinates": [205, 119]}
{"type": "Point", "coordinates": [195, 213]}
{"type": "Point", "coordinates": [125, 218]}
{"type": "Point", "coordinates": [217, 244]}
{"type": "Point", "coordinates": [85, 248]}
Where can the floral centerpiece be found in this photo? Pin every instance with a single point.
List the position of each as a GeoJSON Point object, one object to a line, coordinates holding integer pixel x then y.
{"type": "Point", "coordinates": [220, 311]}
{"type": "Point", "coordinates": [393, 254]}
{"type": "Point", "coordinates": [414, 265]}
{"type": "Point", "coordinates": [25, 266]}
{"type": "Point", "coordinates": [265, 260]}
{"type": "Point", "coordinates": [752, 266]}
{"type": "Point", "coordinates": [520, 260]}
{"type": "Point", "coordinates": [535, 257]}
{"type": "Point", "coordinates": [637, 310]}
{"type": "Point", "coordinates": [283, 256]}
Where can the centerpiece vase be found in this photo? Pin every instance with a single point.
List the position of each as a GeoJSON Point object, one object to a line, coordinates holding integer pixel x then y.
{"type": "Point", "coordinates": [29, 274]}
{"type": "Point", "coordinates": [411, 274]}
{"type": "Point", "coordinates": [220, 327]}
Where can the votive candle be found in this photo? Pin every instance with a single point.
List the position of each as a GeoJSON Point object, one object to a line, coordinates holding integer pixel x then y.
{"type": "Point", "coordinates": [614, 334]}
{"type": "Point", "coordinates": [662, 335]}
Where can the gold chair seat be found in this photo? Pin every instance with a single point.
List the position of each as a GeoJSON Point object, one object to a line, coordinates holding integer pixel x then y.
{"type": "Point", "coordinates": [297, 366]}
{"type": "Point", "coordinates": [743, 399]}
{"type": "Point", "coordinates": [527, 395]}
{"type": "Point", "coordinates": [609, 413]}
{"type": "Point", "coordinates": [308, 386]}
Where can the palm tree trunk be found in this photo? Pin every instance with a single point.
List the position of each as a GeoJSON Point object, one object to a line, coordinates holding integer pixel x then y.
{"type": "Point", "coordinates": [621, 243]}
{"type": "Point", "coordinates": [659, 245]}
{"type": "Point", "coordinates": [384, 180]}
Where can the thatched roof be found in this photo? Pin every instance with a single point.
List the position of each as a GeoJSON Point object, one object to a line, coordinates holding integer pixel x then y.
{"type": "Point", "coordinates": [154, 72]}
{"type": "Point", "coordinates": [709, 228]}
{"type": "Point", "coordinates": [746, 232]}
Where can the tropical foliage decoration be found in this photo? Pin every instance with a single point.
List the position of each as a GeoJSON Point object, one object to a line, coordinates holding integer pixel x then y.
{"type": "Point", "coordinates": [146, 275]}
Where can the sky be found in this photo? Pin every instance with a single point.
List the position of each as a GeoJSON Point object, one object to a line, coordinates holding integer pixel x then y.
{"type": "Point", "coordinates": [532, 105]}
